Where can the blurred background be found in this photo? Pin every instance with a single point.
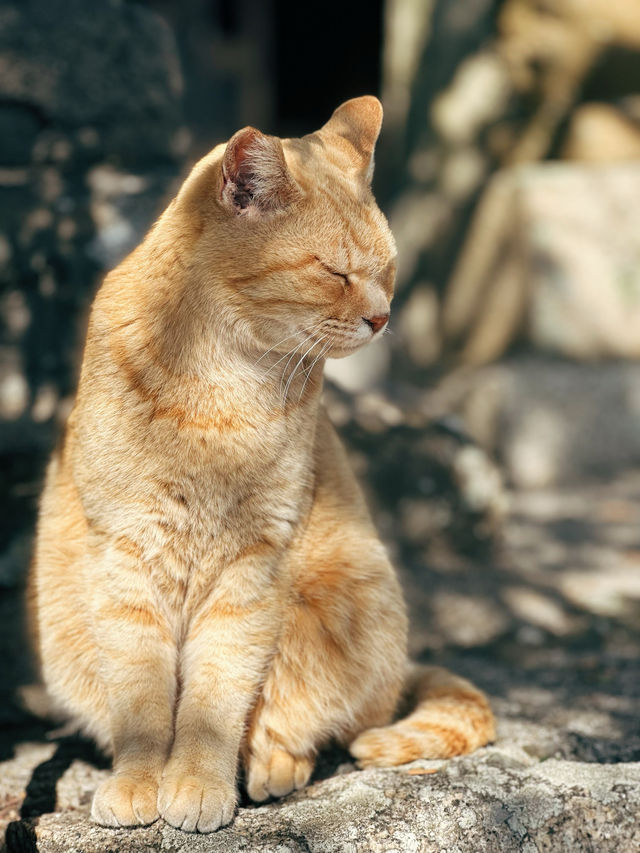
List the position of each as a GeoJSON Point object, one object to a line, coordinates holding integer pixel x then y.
{"type": "Point", "coordinates": [498, 427]}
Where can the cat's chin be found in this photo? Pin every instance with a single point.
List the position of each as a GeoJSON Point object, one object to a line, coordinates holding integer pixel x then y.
{"type": "Point", "coordinates": [343, 350]}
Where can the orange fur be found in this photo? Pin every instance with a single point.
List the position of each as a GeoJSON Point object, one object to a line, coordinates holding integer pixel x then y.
{"type": "Point", "coordinates": [207, 581]}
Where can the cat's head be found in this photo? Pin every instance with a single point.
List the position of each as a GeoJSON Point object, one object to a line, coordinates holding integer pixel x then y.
{"type": "Point", "coordinates": [305, 256]}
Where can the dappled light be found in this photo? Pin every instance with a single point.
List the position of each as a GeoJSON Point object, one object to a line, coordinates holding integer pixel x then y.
{"type": "Point", "coordinates": [494, 424]}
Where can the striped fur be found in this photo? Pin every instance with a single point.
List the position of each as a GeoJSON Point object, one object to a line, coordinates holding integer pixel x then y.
{"type": "Point", "coordinates": [207, 583]}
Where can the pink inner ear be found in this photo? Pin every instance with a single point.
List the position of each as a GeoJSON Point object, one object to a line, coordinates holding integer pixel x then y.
{"type": "Point", "coordinates": [238, 168]}
{"type": "Point", "coordinates": [255, 173]}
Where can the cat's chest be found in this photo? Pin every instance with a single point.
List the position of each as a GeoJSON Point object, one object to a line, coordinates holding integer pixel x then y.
{"type": "Point", "coordinates": [218, 498]}
{"type": "Point", "coordinates": [211, 498]}
{"type": "Point", "coordinates": [193, 489]}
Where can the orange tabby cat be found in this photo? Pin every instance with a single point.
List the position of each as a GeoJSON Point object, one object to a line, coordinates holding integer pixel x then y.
{"type": "Point", "coordinates": [207, 582]}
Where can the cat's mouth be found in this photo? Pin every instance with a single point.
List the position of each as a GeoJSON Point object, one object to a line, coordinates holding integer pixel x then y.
{"type": "Point", "coordinates": [345, 341]}
{"type": "Point", "coordinates": [330, 338]}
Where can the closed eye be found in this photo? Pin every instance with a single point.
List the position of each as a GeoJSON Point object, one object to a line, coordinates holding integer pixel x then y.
{"type": "Point", "coordinates": [342, 275]}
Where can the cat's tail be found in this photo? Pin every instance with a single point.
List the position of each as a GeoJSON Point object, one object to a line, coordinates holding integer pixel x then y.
{"type": "Point", "coordinates": [450, 717]}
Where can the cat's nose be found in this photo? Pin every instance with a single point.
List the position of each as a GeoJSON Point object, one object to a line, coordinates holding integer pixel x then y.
{"type": "Point", "coordinates": [376, 323]}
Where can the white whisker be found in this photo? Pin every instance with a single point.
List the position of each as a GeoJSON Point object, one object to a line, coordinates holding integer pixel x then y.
{"type": "Point", "coordinates": [325, 347]}
{"type": "Point", "coordinates": [292, 335]}
{"type": "Point", "coordinates": [293, 372]}
{"type": "Point", "coordinates": [291, 357]}
{"type": "Point", "coordinates": [307, 370]}
{"type": "Point", "coordinates": [288, 354]}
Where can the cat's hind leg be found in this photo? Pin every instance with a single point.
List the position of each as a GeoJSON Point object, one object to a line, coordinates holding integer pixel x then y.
{"type": "Point", "coordinates": [329, 683]}
{"type": "Point", "coordinates": [340, 664]}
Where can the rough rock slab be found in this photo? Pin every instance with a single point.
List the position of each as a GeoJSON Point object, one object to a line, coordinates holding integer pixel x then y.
{"type": "Point", "coordinates": [500, 799]}
{"type": "Point", "coordinates": [540, 787]}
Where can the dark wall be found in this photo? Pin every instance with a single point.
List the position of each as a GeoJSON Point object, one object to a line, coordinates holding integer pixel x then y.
{"type": "Point", "coordinates": [91, 137]}
{"type": "Point", "coordinates": [280, 65]}
{"type": "Point", "coordinates": [325, 53]}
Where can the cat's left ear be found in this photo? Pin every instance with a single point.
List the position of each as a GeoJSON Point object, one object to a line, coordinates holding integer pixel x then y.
{"type": "Point", "coordinates": [255, 174]}
{"type": "Point", "coordinates": [357, 122]}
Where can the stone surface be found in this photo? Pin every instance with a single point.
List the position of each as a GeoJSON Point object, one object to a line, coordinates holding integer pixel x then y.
{"type": "Point", "coordinates": [582, 254]}
{"type": "Point", "coordinates": [543, 612]}
{"type": "Point", "coordinates": [544, 420]}
{"type": "Point", "coordinates": [472, 91]}
{"type": "Point", "coordinates": [502, 800]}
{"type": "Point", "coordinates": [552, 257]}
{"type": "Point", "coordinates": [549, 421]}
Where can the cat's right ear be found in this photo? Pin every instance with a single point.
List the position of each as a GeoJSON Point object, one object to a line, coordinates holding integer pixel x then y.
{"type": "Point", "coordinates": [255, 176]}
{"type": "Point", "coordinates": [357, 122]}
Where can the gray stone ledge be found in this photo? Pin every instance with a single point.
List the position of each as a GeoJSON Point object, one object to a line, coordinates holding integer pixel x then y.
{"type": "Point", "coordinates": [499, 799]}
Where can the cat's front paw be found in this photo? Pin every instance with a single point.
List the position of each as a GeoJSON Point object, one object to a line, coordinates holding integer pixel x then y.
{"type": "Point", "coordinates": [126, 800]}
{"type": "Point", "coordinates": [196, 804]}
{"type": "Point", "coordinates": [276, 774]}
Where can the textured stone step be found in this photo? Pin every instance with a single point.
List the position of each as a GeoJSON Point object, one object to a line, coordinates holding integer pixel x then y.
{"type": "Point", "coordinates": [501, 799]}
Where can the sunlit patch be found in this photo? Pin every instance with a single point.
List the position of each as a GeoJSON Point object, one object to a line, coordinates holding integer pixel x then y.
{"type": "Point", "coordinates": [14, 396]}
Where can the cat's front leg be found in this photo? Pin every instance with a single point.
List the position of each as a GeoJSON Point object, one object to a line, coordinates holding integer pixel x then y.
{"type": "Point", "coordinates": [226, 653]}
{"type": "Point", "coordinates": [137, 658]}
